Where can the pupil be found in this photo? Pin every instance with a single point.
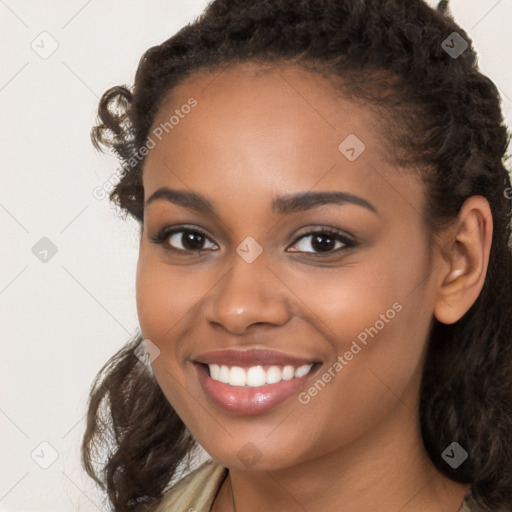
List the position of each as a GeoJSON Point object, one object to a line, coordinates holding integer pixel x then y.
{"type": "Point", "coordinates": [193, 240]}
{"type": "Point", "coordinates": [317, 244]}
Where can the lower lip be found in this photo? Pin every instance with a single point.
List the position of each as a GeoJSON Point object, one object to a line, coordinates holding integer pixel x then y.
{"type": "Point", "coordinates": [247, 400]}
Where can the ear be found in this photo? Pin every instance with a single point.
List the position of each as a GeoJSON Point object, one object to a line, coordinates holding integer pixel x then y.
{"type": "Point", "coordinates": [467, 245]}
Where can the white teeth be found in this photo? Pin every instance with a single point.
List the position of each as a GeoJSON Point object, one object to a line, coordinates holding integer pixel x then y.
{"type": "Point", "coordinates": [224, 374]}
{"type": "Point", "coordinates": [302, 370]}
{"type": "Point", "coordinates": [215, 371]}
{"type": "Point", "coordinates": [237, 376]}
{"type": "Point", "coordinates": [256, 376]}
{"type": "Point", "coordinates": [288, 372]}
{"type": "Point", "coordinates": [274, 375]}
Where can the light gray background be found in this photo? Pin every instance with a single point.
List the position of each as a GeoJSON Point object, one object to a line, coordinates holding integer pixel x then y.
{"type": "Point", "coordinates": [61, 320]}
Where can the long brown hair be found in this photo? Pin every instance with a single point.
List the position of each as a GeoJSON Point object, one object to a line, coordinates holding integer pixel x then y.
{"type": "Point", "coordinates": [446, 120]}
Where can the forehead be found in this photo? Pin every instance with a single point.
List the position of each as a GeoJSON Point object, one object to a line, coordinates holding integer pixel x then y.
{"type": "Point", "coordinates": [265, 99]}
{"type": "Point", "coordinates": [259, 130]}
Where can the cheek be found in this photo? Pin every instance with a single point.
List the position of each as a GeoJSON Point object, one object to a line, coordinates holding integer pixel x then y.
{"type": "Point", "coordinates": [375, 369]}
{"type": "Point", "coordinates": [164, 301]}
{"type": "Point", "coordinates": [376, 315]}
{"type": "Point", "coordinates": [166, 296]}
{"type": "Point", "coordinates": [367, 291]}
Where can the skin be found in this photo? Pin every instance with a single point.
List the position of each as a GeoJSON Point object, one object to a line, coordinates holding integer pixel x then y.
{"type": "Point", "coordinates": [261, 132]}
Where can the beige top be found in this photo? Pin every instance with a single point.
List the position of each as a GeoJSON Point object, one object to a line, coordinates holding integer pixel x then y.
{"type": "Point", "coordinates": [197, 491]}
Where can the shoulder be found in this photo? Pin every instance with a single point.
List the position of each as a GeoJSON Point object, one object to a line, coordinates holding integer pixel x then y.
{"type": "Point", "coordinates": [196, 491]}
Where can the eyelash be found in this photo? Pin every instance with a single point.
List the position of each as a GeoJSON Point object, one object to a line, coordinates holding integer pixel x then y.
{"type": "Point", "coordinates": [165, 233]}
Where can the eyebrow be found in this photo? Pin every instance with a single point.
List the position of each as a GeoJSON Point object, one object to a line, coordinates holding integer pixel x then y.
{"type": "Point", "coordinates": [282, 205]}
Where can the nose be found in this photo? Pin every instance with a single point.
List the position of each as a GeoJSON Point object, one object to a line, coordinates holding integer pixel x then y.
{"type": "Point", "coordinates": [249, 294]}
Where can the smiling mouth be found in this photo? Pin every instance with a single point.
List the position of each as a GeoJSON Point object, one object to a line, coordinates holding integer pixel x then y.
{"type": "Point", "coordinates": [254, 389]}
{"type": "Point", "coordinates": [258, 375]}
{"type": "Point", "coordinates": [252, 381]}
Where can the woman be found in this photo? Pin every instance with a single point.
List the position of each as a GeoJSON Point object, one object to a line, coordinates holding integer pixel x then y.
{"type": "Point", "coordinates": [323, 284]}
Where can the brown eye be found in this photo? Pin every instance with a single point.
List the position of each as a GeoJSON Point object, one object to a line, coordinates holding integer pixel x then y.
{"type": "Point", "coordinates": [184, 240]}
{"type": "Point", "coordinates": [189, 240]}
{"type": "Point", "coordinates": [322, 241]}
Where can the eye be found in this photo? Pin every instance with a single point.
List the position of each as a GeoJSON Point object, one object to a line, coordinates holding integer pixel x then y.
{"type": "Point", "coordinates": [324, 241]}
{"type": "Point", "coordinates": [182, 239]}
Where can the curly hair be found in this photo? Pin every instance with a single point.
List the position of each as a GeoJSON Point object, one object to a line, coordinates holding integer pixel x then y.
{"type": "Point", "coordinates": [446, 123]}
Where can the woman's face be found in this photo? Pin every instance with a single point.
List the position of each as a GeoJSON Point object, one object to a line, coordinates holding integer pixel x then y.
{"type": "Point", "coordinates": [254, 162]}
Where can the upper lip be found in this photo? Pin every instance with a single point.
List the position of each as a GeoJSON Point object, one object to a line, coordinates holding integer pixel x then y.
{"type": "Point", "coordinates": [250, 357]}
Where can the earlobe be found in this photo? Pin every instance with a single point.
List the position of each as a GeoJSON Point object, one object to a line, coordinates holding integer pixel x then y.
{"type": "Point", "coordinates": [469, 245]}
